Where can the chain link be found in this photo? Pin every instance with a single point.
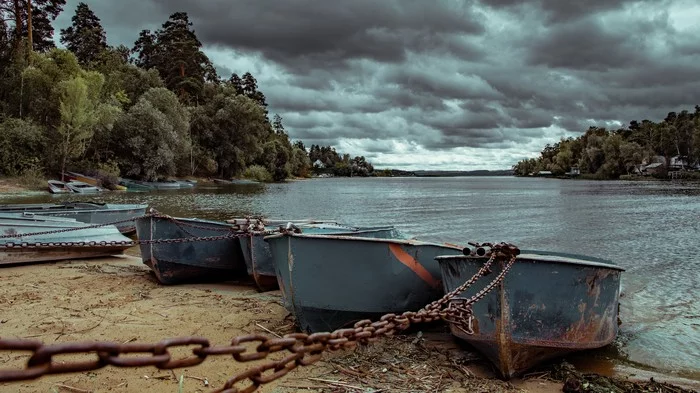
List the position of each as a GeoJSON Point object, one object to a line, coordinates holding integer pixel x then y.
{"type": "Point", "coordinates": [303, 349]}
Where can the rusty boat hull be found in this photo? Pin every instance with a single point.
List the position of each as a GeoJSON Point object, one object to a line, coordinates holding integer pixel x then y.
{"type": "Point", "coordinates": [548, 305]}
{"type": "Point", "coordinates": [179, 256]}
{"type": "Point", "coordinates": [332, 281]}
{"type": "Point", "coordinates": [260, 262]}
{"type": "Point", "coordinates": [21, 242]}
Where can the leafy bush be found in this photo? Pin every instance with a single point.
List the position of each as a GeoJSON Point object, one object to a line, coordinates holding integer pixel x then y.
{"type": "Point", "coordinates": [22, 146]}
{"type": "Point", "coordinates": [257, 172]}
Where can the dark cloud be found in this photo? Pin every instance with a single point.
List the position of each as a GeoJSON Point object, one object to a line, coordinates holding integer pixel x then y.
{"type": "Point", "coordinates": [499, 77]}
{"type": "Point", "coordinates": [586, 44]}
{"type": "Point", "coordinates": [556, 11]}
{"type": "Point", "coordinates": [304, 32]}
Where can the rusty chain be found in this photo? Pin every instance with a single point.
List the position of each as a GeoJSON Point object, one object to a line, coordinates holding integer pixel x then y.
{"type": "Point", "coordinates": [303, 349]}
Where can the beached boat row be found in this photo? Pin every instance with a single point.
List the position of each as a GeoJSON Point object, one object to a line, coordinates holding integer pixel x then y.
{"type": "Point", "coordinates": [333, 275]}
{"type": "Point", "coordinates": [83, 184]}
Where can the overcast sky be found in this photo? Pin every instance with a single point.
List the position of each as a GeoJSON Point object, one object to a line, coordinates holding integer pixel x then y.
{"type": "Point", "coordinates": [454, 84]}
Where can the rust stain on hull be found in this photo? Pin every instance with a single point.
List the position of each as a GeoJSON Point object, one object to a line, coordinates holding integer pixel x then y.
{"type": "Point", "coordinates": [540, 311]}
{"type": "Point", "coordinates": [406, 259]}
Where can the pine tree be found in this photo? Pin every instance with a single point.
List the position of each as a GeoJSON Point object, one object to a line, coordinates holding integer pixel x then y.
{"type": "Point", "coordinates": [175, 51]}
{"type": "Point", "coordinates": [237, 83]}
{"type": "Point", "coordinates": [277, 124]}
{"type": "Point", "coordinates": [43, 13]}
{"type": "Point", "coordinates": [85, 37]}
{"type": "Point", "coordinates": [250, 90]}
{"type": "Point", "coordinates": [145, 48]}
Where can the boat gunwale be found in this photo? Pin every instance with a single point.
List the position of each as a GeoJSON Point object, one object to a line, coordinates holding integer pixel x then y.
{"type": "Point", "coordinates": [408, 242]}
{"type": "Point", "coordinates": [546, 257]}
{"type": "Point", "coordinates": [195, 220]}
{"type": "Point", "coordinates": [89, 210]}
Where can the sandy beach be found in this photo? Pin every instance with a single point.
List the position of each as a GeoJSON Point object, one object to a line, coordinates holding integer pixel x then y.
{"type": "Point", "coordinates": [118, 299]}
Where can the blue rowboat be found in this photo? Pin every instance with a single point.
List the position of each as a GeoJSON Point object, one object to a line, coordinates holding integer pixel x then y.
{"type": "Point", "coordinates": [179, 255]}
{"type": "Point", "coordinates": [549, 304]}
{"type": "Point", "coordinates": [135, 186]}
{"type": "Point", "coordinates": [87, 212]}
{"type": "Point", "coordinates": [258, 256]}
{"type": "Point", "coordinates": [333, 281]}
{"type": "Point", "coordinates": [22, 241]}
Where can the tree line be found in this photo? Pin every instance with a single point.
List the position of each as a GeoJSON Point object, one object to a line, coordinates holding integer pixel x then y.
{"type": "Point", "coordinates": [149, 112]}
{"type": "Point", "coordinates": [608, 154]}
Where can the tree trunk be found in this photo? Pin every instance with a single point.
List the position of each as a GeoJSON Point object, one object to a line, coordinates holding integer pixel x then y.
{"type": "Point", "coordinates": [18, 20]}
{"type": "Point", "coordinates": [29, 27]}
{"type": "Point", "coordinates": [63, 168]}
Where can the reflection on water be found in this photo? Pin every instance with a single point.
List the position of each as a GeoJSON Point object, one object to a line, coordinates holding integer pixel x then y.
{"type": "Point", "coordinates": [649, 228]}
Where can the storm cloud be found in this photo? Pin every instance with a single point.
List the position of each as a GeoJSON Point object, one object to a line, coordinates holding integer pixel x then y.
{"type": "Point", "coordinates": [454, 84]}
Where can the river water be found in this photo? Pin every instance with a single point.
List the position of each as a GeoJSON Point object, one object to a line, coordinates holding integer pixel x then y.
{"type": "Point", "coordinates": [652, 229]}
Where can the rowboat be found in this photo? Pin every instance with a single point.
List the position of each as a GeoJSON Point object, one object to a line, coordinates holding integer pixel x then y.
{"type": "Point", "coordinates": [165, 185]}
{"type": "Point", "coordinates": [179, 254]}
{"type": "Point", "coordinates": [93, 181]}
{"type": "Point", "coordinates": [133, 185]}
{"type": "Point", "coordinates": [186, 183]}
{"type": "Point", "coordinates": [333, 281]}
{"type": "Point", "coordinates": [122, 215]}
{"type": "Point", "coordinates": [20, 243]}
{"type": "Point", "coordinates": [82, 188]}
{"type": "Point", "coordinates": [549, 304]}
{"type": "Point", "coordinates": [137, 185]}
{"type": "Point", "coordinates": [58, 187]}
{"type": "Point", "coordinates": [235, 181]}
{"type": "Point", "coordinates": [258, 256]}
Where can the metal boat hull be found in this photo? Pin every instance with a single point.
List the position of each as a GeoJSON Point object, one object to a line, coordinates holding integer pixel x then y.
{"type": "Point", "coordinates": [261, 265]}
{"type": "Point", "coordinates": [331, 281]}
{"type": "Point", "coordinates": [190, 261]}
{"type": "Point", "coordinates": [23, 247]}
{"type": "Point", "coordinates": [548, 305]}
{"type": "Point", "coordinates": [87, 212]}
{"type": "Point", "coordinates": [58, 187]}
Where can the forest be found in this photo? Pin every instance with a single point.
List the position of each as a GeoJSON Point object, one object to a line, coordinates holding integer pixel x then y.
{"type": "Point", "coordinates": [152, 111]}
{"type": "Point", "coordinates": [609, 154]}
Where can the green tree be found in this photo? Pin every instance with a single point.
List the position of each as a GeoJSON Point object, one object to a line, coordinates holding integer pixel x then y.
{"type": "Point", "coordinates": [22, 144]}
{"type": "Point", "coordinates": [277, 126]}
{"type": "Point", "coordinates": [250, 90]}
{"type": "Point", "coordinates": [276, 155]}
{"type": "Point", "coordinates": [299, 163]}
{"type": "Point", "coordinates": [43, 13]}
{"type": "Point", "coordinates": [237, 83]}
{"type": "Point", "coordinates": [175, 51]}
{"type": "Point", "coordinates": [38, 84]}
{"type": "Point", "coordinates": [85, 37]}
{"type": "Point", "coordinates": [631, 154]}
{"type": "Point", "coordinates": [232, 128]}
{"type": "Point", "coordinates": [151, 140]}
{"type": "Point", "coordinates": [145, 50]}
{"type": "Point", "coordinates": [75, 128]}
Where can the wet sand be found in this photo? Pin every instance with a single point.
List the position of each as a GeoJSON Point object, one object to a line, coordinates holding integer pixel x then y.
{"type": "Point", "coordinates": [118, 299]}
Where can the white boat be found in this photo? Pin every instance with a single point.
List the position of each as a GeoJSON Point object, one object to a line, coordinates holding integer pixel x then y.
{"type": "Point", "coordinates": [82, 188]}
{"type": "Point", "coordinates": [58, 187]}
